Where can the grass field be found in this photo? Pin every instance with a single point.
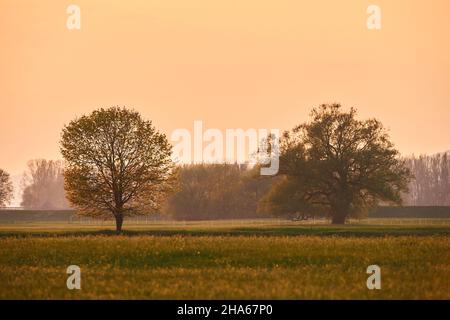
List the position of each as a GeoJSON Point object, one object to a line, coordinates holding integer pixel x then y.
{"type": "Point", "coordinates": [226, 260]}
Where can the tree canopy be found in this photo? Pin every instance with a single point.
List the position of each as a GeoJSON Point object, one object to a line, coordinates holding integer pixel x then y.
{"type": "Point", "coordinates": [116, 163]}
{"type": "Point", "coordinates": [338, 166]}
{"type": "Point", "coordinates": [217, 191]}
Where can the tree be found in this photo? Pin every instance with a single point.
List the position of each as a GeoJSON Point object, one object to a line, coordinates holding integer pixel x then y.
{"type": "Point", "coordinates": [431, 183]}
{"type": "Point", "coordinates": [6, 188]}
{"type": "Point", "coordinates": [44, 185]}
{"type": "Point", "coordinates": [445, 180]}
{"type": "Point", "coordinates": [205, 191]}
{"type": "Point", "coordinates": [116, 163]}
{"type": "Point", "coordinates": [215, 191]}
{"type": "Point", "coordinates": [339, 166]}
{"type": "Point", "coordinates": [284, 200]}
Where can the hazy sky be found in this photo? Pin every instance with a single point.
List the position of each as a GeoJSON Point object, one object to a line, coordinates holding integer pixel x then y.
{"type": "Point", "coordinates": [233, 64]}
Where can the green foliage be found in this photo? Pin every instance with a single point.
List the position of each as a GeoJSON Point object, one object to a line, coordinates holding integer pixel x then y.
{"type": "Point", "coordinates": [287, 199]}
{"type": "Point", "coordinates": [116, 163]}
{"type": "Point", "coordinates": [276, 266]}
{"type": "Point", "coordinates": [338, 165]}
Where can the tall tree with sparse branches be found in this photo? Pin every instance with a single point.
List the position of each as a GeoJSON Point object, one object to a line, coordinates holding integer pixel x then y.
{"type": "Point", "coordinates": [116, 163]}
{"type": "Point", "coordinates": [6, 188]}
{"type": "Point", "coordinates": [43, 185]}
{"type": "Point", "coordinates": [339, 166]}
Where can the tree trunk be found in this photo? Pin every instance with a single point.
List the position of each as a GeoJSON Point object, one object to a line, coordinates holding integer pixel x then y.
{"type": "Point", "coordinates": [119, 222]}
{"type": "Point", "coordinates": [338, 218]}
{"type": "Point", "coordinates": [340, 213]}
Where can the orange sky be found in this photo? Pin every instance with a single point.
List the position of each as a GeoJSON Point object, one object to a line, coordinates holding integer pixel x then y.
{"type": "Point", "coordinates": [233, 64]}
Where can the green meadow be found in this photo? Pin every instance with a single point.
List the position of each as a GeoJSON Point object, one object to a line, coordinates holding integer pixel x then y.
{"type": "Point", "coordinates": [226, 260]}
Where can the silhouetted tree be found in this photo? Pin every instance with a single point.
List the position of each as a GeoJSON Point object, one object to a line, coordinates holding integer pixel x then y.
{"type": "Point", "coordinates": [116, 163]}
{"type": "Point", "coordinates": [339, 165]}
{"type": "Point", "coordinates": [283, 201]}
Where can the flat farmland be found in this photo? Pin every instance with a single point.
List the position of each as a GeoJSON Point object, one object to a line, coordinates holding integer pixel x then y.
{"type": "Point", "coordinates": [226, 260]}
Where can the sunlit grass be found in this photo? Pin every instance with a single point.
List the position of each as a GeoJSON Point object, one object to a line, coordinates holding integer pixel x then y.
{"type": "Point", "coordinates": [208, 264]}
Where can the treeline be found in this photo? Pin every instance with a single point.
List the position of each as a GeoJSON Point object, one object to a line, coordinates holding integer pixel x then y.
{"type": "Point", "coordinates": [203, 191]}
{"type": "Point", "coordinates": [43, 185]}
{"type": "Point", "coordinates": [431, 183]}
{"type": "Point", "coordinates": [230, 191]}
{"type": "Point", "coordinates": [217, 191]}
